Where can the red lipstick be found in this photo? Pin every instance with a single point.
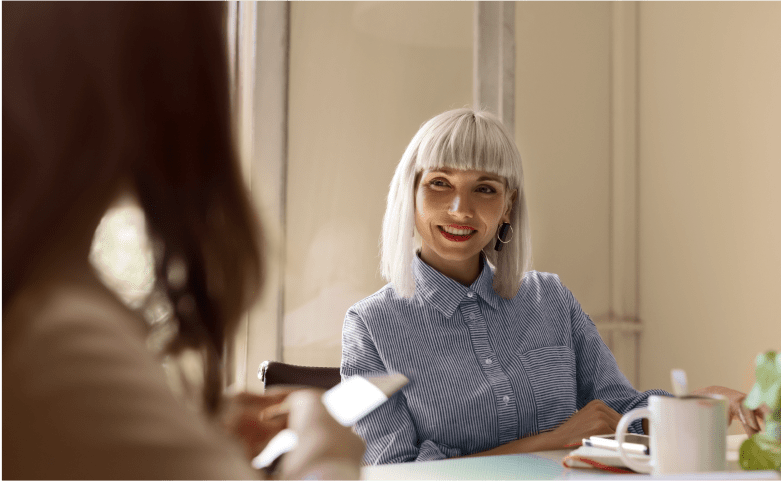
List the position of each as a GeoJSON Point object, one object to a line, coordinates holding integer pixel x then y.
{"type": "Point", "coordinates": [455, 226]}
{"type": "Point", "coordinates": [457, 238]}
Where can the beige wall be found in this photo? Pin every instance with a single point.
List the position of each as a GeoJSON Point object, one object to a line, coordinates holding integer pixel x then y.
{"type": "Point", "coordinates": [708, 160]}
{"type": "Point", "coordinates": [363, 78]}
{"type": "Point", "coordinates": [562, 128]}
{"type": "Point", "coordinates": [710, 203]}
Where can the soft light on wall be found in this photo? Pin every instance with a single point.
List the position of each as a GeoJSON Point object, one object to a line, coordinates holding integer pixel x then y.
{"type": "Point", "coordinates": [416, 23]}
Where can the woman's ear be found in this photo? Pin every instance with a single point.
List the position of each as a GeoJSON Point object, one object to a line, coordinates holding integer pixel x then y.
{"type": "Point", "coordinates": [511, 198]}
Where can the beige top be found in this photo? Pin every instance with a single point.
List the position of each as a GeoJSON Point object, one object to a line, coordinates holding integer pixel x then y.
{"type": "Point", "coordinates": [84, 398]}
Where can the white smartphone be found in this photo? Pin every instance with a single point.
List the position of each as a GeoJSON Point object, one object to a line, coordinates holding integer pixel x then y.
{"type": "Point", "coordinates": [633, 443]}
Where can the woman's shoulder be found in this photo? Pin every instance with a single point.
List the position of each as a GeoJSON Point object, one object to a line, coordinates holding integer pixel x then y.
{"type": "Point", "coordinates": [58, 307]}
{"type": "Point", "coordinates": [542, 283]}
{"type": "Point", "coordinates": [78, 355]}
{"type": "Point", "coordinates": [379, 304]}
{"type": "Point", "coordinates": [62, 344]}
{"type": "Point", "coordinates": [52, 327]}
{"type": "Point", "coordinates": [55, 311]}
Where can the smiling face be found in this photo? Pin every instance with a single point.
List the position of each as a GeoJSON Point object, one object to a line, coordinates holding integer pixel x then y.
{"type": "Point", "coordinates": [457, 213]}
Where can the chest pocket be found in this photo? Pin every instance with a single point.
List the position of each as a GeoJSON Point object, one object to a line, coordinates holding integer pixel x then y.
{"type": "Point", "coordinates": [551, 372]}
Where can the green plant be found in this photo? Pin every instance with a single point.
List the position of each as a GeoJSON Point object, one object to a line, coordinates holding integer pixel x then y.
{"type": "Point", "coordinates": [763, 450]}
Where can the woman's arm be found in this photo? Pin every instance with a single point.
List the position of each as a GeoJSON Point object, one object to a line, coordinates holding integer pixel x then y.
{"type": "Point", "coordinates": [389, 431]}
{"type": "Point", "coordinates": [598, 375]}
{"type": "Point", "coordinates": [595, 418]}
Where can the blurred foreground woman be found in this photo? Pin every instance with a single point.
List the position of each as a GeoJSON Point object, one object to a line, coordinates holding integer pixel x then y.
{"type": "Point", "coordinates": [102, 100]}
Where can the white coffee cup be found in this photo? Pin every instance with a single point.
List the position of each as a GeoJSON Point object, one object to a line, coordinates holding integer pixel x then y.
{"type": "Point", "coordinates": [688, 435]}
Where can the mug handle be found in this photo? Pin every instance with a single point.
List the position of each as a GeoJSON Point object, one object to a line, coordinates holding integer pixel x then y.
{"type": "Point", "coordinates": [623, 425]}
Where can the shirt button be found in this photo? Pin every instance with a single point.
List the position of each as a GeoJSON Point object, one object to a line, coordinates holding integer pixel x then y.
{"type": "Point", "coordinates": [488, 361]}
{"type": "Point", "coordinates": [506, 399]}
{"type": "Point", "coordinates": [470, 294]}
{"type": "Point", "coordinates": [472, 317]}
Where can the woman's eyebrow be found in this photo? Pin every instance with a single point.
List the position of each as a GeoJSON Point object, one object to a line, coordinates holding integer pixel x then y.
{"type": "Point", "coordinates": [441, 170]}
{"type": "Point", "coordinates": [482, 178]}
{"type": "Point", "coordinates": [494, 178]}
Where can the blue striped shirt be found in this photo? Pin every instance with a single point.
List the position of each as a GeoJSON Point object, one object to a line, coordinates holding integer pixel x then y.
{"type": "Point", "coordinates": [483, 370]}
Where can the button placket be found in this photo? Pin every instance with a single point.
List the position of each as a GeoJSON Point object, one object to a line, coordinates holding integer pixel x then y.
{"type": "Point", "coordinates": [507, 414]}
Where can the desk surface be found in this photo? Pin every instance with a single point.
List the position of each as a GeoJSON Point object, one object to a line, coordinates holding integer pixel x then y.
{"type": "Point", "coordinates": [540, 465]}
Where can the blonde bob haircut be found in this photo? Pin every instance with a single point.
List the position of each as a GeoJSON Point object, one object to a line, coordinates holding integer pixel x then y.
{"type": "Point", "coordinates": [463, 139]}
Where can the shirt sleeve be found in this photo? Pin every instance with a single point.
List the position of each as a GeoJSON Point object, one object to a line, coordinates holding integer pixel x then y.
{"type": "Point", "coordinates": [389, 431]}
{"type": "Point", "coordinates": [598, 375]}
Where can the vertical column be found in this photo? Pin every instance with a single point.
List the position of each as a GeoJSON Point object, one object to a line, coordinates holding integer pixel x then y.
{"type": "Point", "coordinates": [494, 59]}
{"type": "Point", "coordinates": [624, 235]}
{"type": "Point", "coordinates": [260, 101]}
{"type": "Point", "coordinates": [269, 178]}
{"type": "Point", "coordinates": [623, 203]}
{"type": "Point", "coordinates": [231, 27]}
{"type": "Point", "coordinates": [241, 55]}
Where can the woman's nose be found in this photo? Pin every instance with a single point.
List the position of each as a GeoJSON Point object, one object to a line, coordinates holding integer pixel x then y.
{"type": "Point", "coordinates": [460, 206]}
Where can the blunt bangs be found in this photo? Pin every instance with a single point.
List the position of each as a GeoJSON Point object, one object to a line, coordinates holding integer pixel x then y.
{"type": "Point", "coordinates": [467, 140]}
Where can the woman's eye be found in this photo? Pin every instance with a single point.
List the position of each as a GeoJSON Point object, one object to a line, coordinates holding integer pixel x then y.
{"type": "Point", "coordinates": [486, 189]}
{"type": "Point", "coordinates": [438, 183]}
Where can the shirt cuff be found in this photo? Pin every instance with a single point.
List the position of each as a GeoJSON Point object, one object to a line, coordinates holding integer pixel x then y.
{"type": "Point", "coordinates": [636, 427]}
{"type": "Point", "coordinates": [431, 451]}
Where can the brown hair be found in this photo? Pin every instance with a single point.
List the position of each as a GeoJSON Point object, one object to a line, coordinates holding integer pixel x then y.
{"type": "Point", "coordinates": [95, 94]}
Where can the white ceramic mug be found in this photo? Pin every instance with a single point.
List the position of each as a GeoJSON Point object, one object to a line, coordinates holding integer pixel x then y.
{"type": "Point", "coordinates": [688, 435]}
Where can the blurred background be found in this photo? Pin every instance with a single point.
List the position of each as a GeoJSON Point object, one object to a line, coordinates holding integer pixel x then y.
{"type": "Point", "coordinates": [651, 139]}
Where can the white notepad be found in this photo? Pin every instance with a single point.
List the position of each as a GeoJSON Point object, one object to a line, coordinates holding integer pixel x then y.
{"type": "Point", "coordinates": [593, 457]}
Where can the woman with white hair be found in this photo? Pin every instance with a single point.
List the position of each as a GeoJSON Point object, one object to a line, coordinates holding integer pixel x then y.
{"type": "Point", "coordinates": [501, 359]}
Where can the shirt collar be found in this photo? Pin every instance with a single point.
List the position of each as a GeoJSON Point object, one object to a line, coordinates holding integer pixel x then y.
{"type": "Point", "coordinates": [445, 294]}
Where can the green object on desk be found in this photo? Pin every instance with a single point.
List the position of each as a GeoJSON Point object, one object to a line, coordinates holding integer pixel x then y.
{"type": "Point", "coordinates": [763, 450]}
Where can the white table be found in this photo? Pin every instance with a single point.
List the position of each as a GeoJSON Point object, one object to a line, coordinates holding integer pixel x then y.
{"type": "Point", "coordinates": [540, 465]}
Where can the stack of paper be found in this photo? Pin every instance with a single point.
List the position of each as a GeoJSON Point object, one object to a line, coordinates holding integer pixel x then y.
{"type": "Point", "coordinates": [600, 458]}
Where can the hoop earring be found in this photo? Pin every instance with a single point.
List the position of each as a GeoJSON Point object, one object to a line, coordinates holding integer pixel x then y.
{"type": "Point", "coordinates": [501, 234]}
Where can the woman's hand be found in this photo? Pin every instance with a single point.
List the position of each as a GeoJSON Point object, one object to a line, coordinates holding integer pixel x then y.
{"type": "Point", "coordinates": [595, 417]}
{"type": "Point", "coordinates": [752, 421]}
{"type": "Point", "coordinates": [326, 449]}
{"type": "Point", "coordinates": [243, 419]}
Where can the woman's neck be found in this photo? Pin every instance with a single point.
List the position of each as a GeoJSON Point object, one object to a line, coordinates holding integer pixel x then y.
{"type": "Point", "coordinates": [464, 272]}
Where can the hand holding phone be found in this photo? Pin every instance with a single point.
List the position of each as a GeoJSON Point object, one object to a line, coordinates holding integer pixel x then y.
{"type": "Point", "coordinates": [347, 402]}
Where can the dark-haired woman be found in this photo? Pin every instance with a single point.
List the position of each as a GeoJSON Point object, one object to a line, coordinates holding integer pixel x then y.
{"type": "Point", "coordinates": [102, 100]}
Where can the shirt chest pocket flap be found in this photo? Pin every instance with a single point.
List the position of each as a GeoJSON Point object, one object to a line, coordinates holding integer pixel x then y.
{"type": "Point", "coordinates": [551, 373]}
